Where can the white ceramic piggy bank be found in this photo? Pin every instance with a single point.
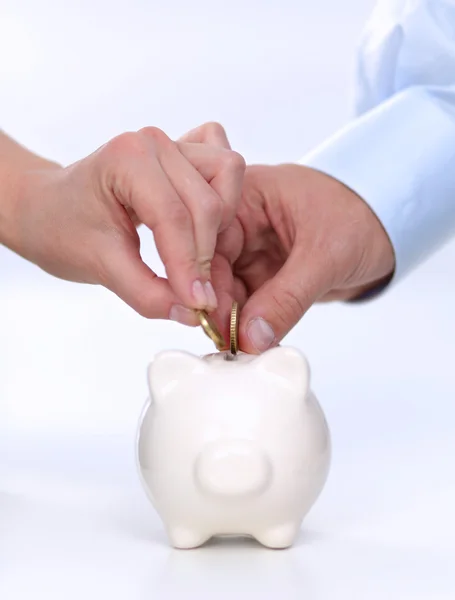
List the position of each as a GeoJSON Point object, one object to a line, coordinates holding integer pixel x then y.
{"type": "Point", "coordinates": [232, 447]}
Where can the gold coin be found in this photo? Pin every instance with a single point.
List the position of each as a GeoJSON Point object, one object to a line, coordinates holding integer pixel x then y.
{"type": "Point", "coordinates": [211, 330]}
{"type": "Point", "coordinates": [234, 330]}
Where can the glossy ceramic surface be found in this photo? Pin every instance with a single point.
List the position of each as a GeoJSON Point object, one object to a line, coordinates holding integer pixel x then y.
{"type": "Point", "coordinates": [232, 447]}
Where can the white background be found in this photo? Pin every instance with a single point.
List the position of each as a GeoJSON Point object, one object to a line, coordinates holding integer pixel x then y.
{"type": "Point", "coordinates": [74, 522]}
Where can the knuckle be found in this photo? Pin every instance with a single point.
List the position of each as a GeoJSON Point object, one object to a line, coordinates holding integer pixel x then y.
{"type": "Point", "coordinates": [215, 129]}
{"type": "Point", "coordinates": [155, 134]}
{"type": "Point", "coordinates": [211, 207]}
{"type": "Point", "coordinates": [234, 161]}
{"type": "Point", "coordinates": [205, 263]}
{"type": "Point", "coordinates": [176, 216]}
{"type": "Point", "coordinates": [289, 306]}
{"type": "Point", "coordinates": [183, 261]}
{"type": "Point", "coordinates": [124, 144]}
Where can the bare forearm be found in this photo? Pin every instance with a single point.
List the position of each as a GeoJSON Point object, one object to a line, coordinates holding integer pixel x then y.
{"type": "Point", "coordinates": [15, 162]}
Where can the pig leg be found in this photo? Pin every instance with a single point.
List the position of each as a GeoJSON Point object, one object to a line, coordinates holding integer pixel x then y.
{"type": "Point", "coordinates": [185, 538]}
{"type": "Point", "coordinates": [281, 536]}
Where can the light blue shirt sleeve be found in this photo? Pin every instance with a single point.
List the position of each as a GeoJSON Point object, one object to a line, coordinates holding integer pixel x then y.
{"type": "Point", "coordinates": [398, 153]}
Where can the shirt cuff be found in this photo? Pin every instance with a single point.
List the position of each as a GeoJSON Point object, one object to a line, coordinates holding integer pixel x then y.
{"type": "Point", "coordinates": [400, 158]}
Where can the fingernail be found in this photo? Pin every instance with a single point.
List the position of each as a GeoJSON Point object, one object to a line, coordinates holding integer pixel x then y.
{"type": "Point", "coordinates": [182, 315]}
{"type": "Point", "coordinates": [199, 294]}
{"type": "Point", "coordinates": [261, 334]}
{"type": "Point", "coordinates": [213, 303]}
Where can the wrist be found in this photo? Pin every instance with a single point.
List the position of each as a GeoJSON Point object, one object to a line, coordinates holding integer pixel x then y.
{"type": "Point", "coordinates": [17, 165]}
{"type": "Point", "coordinates": [373, 257]}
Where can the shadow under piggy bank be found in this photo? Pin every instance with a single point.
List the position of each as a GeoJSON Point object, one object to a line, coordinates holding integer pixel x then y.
{"type": "Point", "coordinates": [230, 571]}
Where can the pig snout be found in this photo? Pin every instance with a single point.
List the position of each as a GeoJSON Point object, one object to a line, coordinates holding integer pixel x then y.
{"type": "Point", "coordinates": [233, 468]}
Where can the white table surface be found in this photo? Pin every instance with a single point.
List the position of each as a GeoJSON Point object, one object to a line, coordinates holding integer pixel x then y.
{"type": "Point", "coordinates": [74, 522]}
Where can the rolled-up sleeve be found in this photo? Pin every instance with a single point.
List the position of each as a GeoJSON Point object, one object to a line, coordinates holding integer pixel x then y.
{"type": "Point", "coordinates": [398, 153]}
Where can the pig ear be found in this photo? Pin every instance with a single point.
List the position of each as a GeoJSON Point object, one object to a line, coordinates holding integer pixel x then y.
{"type": "Point", "coordinates": [170, 367]}
{"type": "Point", "coordinates": [288, 364]}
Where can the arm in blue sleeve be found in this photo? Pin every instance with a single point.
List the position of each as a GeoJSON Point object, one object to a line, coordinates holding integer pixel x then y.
{"type": "Point", "coordinates": [398, 154]}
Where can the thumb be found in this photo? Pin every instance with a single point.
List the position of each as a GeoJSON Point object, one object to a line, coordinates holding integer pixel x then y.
{"type": "Point", "coordinates": [279, 304]}
{"type": "Point", "coordinates": [132, 280]}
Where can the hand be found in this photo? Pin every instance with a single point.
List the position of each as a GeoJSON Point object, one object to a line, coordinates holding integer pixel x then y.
{"type": "Point", "coordinates": [299, 237]}
{"type": "Point", "coordinates": [79, 223]}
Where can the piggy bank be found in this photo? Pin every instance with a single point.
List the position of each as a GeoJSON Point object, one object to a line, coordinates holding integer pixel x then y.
{"type": "Point", "coordinates": [232, 447]}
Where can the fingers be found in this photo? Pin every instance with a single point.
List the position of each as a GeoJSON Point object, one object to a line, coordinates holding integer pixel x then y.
{"type": "Point", "coordinates": [226, 285]}
{"type": "Point", "coordinates": [125, 274]}
{"type": "Point", "coordinates": [158, 205]}
{"type": "Point", "coordinates": [208, 181]}
{"type": "Point", "coordinates": [152, 177]}
{"type": "Point", "coordinates": [228, 288]}
{"type": "Point", "coordinates": [211, 198]}
{"type": "Point", "coordinates": [224, 171]}
{"type": "Point", "coordinates": [230, 242]}
{"type": "Point", "coordinates": [276, 307]}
